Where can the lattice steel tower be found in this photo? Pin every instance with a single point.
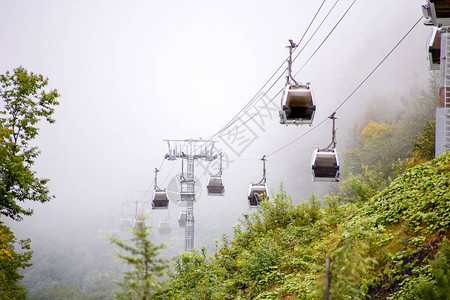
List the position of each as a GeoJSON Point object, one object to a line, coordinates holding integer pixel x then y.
{"type": "Point", "coordinates": [189, 150]}
{"type": "Point", "coordinates": [437, 14]}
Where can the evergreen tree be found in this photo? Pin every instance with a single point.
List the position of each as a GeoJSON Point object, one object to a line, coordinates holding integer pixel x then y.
{"type": "Point", "coordinates": [145, 267]}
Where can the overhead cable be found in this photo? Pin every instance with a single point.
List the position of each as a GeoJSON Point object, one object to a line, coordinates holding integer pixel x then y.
{"type": "Point", "coordinates": [353, 92]}
{"type": "Point", "coordinates": [318, 27]}
{"type": "Point", "coordinates": [321, 44]}
{"type": "Point", "coordinates": [312, 21]}
{"type": "Point", "coordinates": [342, 17]}
{"type": "Point", "coordinates": [379, 64]}
{"type": "Point", "coordinates": [252, 101]}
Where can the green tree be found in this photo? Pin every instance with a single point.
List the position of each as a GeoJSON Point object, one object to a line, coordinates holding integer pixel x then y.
{"type": "Point", "coordinates": [389, 136]}
{"type": "Point", "coordinates": [145, 268]}
{"type": "Point", "coordinates": [362, 186]}
{"type": "Point", "coordinates": [424, 145]}
{"type": "Point", "coordinates": [10, 263]}
{"type": "Point", "coordinates": [25, 102]}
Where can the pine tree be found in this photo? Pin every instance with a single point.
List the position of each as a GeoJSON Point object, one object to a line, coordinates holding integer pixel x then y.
{"type": "Point", "coordinates": [145, 266]}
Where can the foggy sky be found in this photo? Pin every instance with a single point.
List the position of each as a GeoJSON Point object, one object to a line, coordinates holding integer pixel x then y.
{"type": "Point", "coordinates": [133, 73]}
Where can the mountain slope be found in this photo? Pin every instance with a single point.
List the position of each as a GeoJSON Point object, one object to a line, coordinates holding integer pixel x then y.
{"type": "Point", "coordinates": [392, 246]}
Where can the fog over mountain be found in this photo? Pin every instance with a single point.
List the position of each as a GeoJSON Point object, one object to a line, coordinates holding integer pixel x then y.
{"type": "Point", "coordinates": [135, 73]}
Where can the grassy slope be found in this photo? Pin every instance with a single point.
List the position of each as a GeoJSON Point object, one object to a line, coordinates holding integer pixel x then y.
{"type": "Point", "coordinates": [380, 249]}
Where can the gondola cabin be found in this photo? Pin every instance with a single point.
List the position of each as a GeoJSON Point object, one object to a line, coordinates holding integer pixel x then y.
{"type": "Point", "coordinates": [434, 49]}
{"type": "Point", "coordinates": [256, 193]}
{"type": "Point", "coordinates": [182, 218]}
{"type": "Point", "coordinates": [325, 165]}
{"type": "Point", "coordinates": [297, 105]}
{"type": "Point", "coordinates": [164, 227]}
{"type": "Point", "coordinates": [114, 233]}
{"type": "Point", "coordinates": [160, 200]}
{"type": "Point", "coordinates": [215, 186]}
{"type": "Point", "coordinates": [438, 11]}
{"type": "Point", "coordinates": [125, 223]}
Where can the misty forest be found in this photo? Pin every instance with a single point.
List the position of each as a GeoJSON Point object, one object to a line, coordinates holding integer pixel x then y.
{"type": "Point", "coordinates": [104, 121]}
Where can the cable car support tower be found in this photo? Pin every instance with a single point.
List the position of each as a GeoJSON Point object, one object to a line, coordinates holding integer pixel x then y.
{"type": "Point", "coordinates": [189, 151]}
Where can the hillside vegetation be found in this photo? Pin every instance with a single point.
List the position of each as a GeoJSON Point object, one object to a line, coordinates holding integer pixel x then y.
{"type": "Point", "coordinates": [393, 245]}
{"type": "Point", "coordinates": [386, 231]}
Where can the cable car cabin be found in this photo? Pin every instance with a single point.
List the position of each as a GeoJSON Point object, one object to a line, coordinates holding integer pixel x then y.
{"type": "Point", "coordinates": [182, 218]}
{"type": "Point", "coordinates": [438, 11]}
{"type": "Point", "coordinates": [215, 186]}
{"type": "Point", "coordinates": [160, 200]}
{"type": "Point", "coordinates": [164, 227]}
{"type": "Point", "coordinates": [114, 233]}
{"type": "Point", "coordinates": [325, 166]}
{"type": "Point", "coordinates": [256, 193]}
{"type": "Point", "coordinates": [297, 105]}
{"type": "Point", "coordinates": [125, 223]}
{"type": "Point", "coordinates": [434, 49]}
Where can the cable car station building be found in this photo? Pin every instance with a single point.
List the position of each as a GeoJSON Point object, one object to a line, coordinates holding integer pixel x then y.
{"type": "Point", "coordinates": [437, 14]}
